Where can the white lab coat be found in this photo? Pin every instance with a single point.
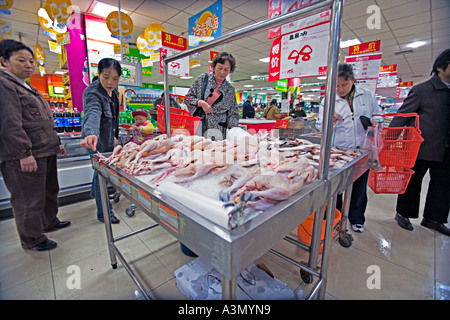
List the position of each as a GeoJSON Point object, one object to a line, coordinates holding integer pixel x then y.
{"type": "Point", "coordinates": [350, 133]}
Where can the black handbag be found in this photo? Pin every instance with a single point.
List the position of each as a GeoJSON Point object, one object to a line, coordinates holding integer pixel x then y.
{"type": "Point", "coordinates": [199, 112]}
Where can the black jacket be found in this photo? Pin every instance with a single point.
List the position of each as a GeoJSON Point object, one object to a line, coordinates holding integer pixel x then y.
{"type": "Point", "coordinates": [247, 110]}
{"type": "Point", "coordinates": [431, 101]}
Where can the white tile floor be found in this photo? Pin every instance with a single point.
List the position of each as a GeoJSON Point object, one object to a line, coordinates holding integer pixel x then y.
{"type": "Point", "coordinates": [413, 265]}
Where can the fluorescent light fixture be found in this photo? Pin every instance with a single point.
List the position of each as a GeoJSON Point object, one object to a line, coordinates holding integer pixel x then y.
{"type": "Point", "coordinates": [160, 82]}
{"type": "Point", "coordinates": [266, 60]}
{"type": "Point", "coordinates": [322, 78]}
{"type": "Point", "coordinates": [59, 72]}
{"type": "Point", "coordinates": [416, 44]}
{"type": "Point", "coordinates": [311, 95]}
{"type": "Point", "coordinates": [248, 86]}
{"type": "Point", "coordinates": [103, 9]}
{"type": "Point", "coordinates": [348, 43]}
{"type": "Point", "coordinates": [184, 78]}
{"type": "Point", "coordinates": [315, 89]}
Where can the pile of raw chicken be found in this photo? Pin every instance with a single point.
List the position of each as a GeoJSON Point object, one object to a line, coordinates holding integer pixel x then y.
{"type": "Point", "coordinates": [267, 170]}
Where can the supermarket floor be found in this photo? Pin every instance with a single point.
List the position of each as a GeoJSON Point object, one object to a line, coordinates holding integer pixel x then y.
{"type": "Point", "coordinates": [412, 265]}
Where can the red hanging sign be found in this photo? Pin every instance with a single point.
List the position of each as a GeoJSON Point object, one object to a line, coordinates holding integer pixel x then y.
{"type": "Point", "coordinates": [173, 41]}
{"type": "Point", "coordinates": [366, 47]}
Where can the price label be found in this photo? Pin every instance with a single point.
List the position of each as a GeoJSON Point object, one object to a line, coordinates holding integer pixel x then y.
{"type": "Point", "coordinates": [126, 186]}
{"type": "Point", "coordinates": [115, 178]}
{"type": "Point", "coordinates": [169, 218]}
{"type": "Point", "coordinates": [144, 199]}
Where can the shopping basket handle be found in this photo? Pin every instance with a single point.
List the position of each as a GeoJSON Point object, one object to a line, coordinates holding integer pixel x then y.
{"type": "Point", "coordinates": [405, 115]}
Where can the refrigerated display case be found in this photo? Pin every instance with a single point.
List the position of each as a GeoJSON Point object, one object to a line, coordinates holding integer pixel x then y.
{"type": "Point", "coordinates": [74, 175]}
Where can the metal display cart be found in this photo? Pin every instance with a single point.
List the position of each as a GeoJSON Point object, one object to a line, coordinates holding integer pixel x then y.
{"type": "Point", "coordinates": [231, 251]}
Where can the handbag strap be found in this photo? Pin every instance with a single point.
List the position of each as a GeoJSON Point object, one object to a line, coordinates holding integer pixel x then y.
{"type": "Point", "coordinates": [205, 83]}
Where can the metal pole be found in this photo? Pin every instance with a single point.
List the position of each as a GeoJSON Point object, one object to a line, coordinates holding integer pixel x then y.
{"type": "Point", "coordinates": [166, 101]}
{"type": "Point", "coordinates": [330, 91]}
{"type": "Point", "coordinates": [107, 220]}
{"type": "Point", "coordinates": [255, 28]}
{"type": "Point", "coordinates": [120, 30]}
{"type": "Point", "coordinates": [229, 288]}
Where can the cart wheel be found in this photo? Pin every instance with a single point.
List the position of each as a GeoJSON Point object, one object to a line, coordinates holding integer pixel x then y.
{"type": "Point", "coordinates": [306, 276]}
{"type": "Point", "coordinates": [114, 266]}
{"type": "Point", "coordinates": [116, 197]}
{"type": "Point", "coordinates": [131, 210]}
{"type": "Point", "coordinates": [346, 240]}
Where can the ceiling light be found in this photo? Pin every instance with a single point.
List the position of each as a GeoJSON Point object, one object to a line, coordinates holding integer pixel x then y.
{"type": "Point", "coordinates": [348, 43]}
{"type": "Point", "coordinates": [266, 60]}
{"type": "Point", "coordinates": [59, 72]}
{"type": "Point", "coordinates": [248, 86]}
{"type": "Point", "coordinates": [322, 78]}
{"type": "Point", "coordinates": [416, 44]}
{"type": "Point", "coordinates": [102, 9]}
{"type": "Point", "coordinates": [184, 78]}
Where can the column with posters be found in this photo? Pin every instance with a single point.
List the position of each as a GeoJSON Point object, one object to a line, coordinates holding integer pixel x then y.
{"type": "Point", "coordinates": [365, 59]}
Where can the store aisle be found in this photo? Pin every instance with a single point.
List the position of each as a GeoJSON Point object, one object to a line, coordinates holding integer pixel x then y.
{"type": "Point", "coordinates": [412, 265]}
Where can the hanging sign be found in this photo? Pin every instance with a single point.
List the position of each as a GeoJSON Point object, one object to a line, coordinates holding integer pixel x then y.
{"type": "Point", "coordinates": [54, 47]}
{"type": "Point", "coordinates": [179, 68]}
{"type": "Point", "coordinates": [403, 89]}
{"type": "Point", "coordinates": [363, 48]}
{"type": "Point", "coordinates": [279, 7]}
{"type": "Point", "coordinates": [58, 13]}
{"type": "Point", "coordinates": [112, 22]}
{"type": "Point", "coordinates": [39, 55]}
{"type": "Point", "coordinates": [365, 66]}
{"type": "Point", "coordinates": [5, 27]}
{"type": "Point", "coordinates": [389, 68]}
{"type": "Point", "coordinates": [172, 41]}
{"type": "Point", "coordinates": [150, 40]}
{"type": "Point", "coordinates": [300, 53]}
{"type": "Point", "coordinates": [205, 25]}
{"type": "Point", "coordinates": [5, 5]}
{"type": "Point", "coordinates": [387, 80]}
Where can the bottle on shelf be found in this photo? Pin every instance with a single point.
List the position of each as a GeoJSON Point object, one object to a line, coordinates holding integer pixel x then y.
{"type": "Point", "coordinates": [76, 121]}
{"type": "Point", "coordinates": [68, 121]}
{"type": "Point", "coordinates": [59, 120]}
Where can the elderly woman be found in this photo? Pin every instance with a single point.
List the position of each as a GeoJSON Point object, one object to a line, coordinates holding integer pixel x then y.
{"type": "Point", "coordinates": [28, 148]}
{"type": "Point", "coordinates": [213, 98]}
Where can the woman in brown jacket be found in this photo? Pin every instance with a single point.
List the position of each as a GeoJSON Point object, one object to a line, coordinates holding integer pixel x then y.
{"type": "Point", "coordinates": [272, 112]}
{"type": "Point", "coordinates": [28, 148]}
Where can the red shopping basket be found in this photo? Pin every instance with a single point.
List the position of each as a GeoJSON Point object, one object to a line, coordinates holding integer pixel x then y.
{"type": "Point", "coordinates": [179, 119]}
{"type": "Point", "coordinates": [281, 123]}
{"type": "Point", "coordinates": [390, 180]}
{"type": "Point", "coordinates": [401, 144]}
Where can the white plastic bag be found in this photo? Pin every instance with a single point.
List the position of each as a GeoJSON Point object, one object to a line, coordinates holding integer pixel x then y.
{"type": "Point", "coordinates": [373, 142]}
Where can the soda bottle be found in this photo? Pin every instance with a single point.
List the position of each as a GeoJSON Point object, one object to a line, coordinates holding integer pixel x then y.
{"type": "Point", "coordinates": [122, 116]}
{"type": "Point", "coordinates": [130, 119]}
{"type": "Point", "coordinates": [59, 121]}
{"type": "Point", "coordinates": [76, 121]}
{"type": "Point", "coordinates": [68, 121]}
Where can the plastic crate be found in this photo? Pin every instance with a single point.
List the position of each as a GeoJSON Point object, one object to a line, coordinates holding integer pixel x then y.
{"type": "Point", "coordinates": [390, 180]}
{"type": "Point", "coordinates": [401, 144]}
{"type": "Point", "coordinates": [179, 119]}
{"type": "Point", "coordinates": [281, 123]}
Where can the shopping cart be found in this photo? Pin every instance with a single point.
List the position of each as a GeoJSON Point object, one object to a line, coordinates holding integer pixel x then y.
{"type": "Point", "coordinates": [399, 153]}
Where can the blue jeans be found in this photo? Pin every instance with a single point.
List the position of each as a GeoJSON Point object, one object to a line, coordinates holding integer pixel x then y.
{"type": "Point", "coordinates": [95, 193]}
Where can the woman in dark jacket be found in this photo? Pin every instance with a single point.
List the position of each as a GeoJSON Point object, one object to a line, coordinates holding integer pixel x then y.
{"type": "Point", "coordinates": [28, 148]}
{"type": "Point", "coordinates": [101, 120]}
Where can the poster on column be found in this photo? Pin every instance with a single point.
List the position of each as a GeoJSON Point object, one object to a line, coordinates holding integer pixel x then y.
{"type": "Point", "coordinates": [300, 53]}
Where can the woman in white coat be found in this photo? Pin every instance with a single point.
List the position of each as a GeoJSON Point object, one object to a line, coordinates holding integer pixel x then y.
{"type": "Point", "coordinates": [352, 102]}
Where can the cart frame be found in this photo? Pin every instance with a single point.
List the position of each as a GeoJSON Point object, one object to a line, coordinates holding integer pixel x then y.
{"type": "Point", "coordinates": [232, 251]}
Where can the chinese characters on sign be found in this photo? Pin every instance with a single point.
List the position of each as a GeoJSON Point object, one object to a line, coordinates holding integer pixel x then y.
{"type": "Point", "coordinates": [173, 41]}
{"type": "Point", "coordinates": [205, 25]}
{"type": "Point", "coordinates": [366, 69]}
{"type": "Point", "coordinates": [300, 53]}
{"type": "Point", "coordinates": [366, 47]}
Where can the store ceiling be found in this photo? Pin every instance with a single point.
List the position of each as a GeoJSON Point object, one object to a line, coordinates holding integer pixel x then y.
{"type": "Point", "coordinates": [402, 22]}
